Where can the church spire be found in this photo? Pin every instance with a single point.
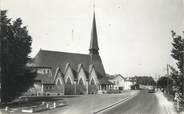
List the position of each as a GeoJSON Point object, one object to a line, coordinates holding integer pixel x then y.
{"type": "Point", "coordinates": [94, 39]}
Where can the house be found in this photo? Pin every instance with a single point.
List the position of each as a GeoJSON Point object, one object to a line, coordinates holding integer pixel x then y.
{"type": "Point", "coordinates": [128, 83]}
{"type": "Point", "coordinates": [60, 73]}
{"type": "Point", "coordinates": [118, 80]}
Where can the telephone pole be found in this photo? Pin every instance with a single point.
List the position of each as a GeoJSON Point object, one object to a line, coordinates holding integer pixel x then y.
{"type": "Point", "coordinates": [0, 68]}
{"type": "Point", "coordinates": [167, 79]}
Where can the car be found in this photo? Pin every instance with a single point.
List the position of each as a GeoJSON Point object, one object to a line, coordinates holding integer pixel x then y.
{"type": "Point", "coordinates": [151, 90]}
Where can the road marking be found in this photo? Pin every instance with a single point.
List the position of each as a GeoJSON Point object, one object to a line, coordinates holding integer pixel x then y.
{"type": "Point", "coordinates": [115, 104]}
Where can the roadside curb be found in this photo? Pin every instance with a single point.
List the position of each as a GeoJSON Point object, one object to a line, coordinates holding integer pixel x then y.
{"type": "Point", "coordinates": [115, 104]}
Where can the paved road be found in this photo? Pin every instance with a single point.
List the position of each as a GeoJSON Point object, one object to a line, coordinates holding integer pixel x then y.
{"type": "Point", "coordinates": [144, 103]}
{"type": "Point", "coordinates": [88, 104]}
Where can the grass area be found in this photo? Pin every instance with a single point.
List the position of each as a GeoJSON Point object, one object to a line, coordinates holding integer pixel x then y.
{"type": "Point", "coordinates": [34, 101]}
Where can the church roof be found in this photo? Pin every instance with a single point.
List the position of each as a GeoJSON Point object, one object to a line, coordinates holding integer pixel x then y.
{"type": "Point", "coordinates": [56, 59]}
{"type": "Point", "coordinates": [45, 78]}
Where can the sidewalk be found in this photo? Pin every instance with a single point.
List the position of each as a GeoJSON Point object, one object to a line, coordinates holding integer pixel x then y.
{"type": "Point", "coordinates": [171, 98]}
{"type": "Point", "coordinates": [165, 104]}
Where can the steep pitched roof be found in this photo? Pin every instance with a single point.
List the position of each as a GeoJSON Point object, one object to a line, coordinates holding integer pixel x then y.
{"type": "Point", "coordinates": [44, 78]}
{"type": "Point", "coordinates": [56, 59]}
{"type": "Point", "coordinates": [57, 72]}
{"type": "Point", "coordinates": [95, 59]}
{"type": "Point", "coordinates": [80, 66]}
{"type": "Point", "coordinates": [99, 75]}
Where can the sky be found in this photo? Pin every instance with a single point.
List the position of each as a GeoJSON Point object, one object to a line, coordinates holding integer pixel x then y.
{"type": "Point", "coordinates": [134, 35]}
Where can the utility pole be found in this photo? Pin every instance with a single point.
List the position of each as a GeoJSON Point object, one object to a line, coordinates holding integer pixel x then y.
{"type": "Point", "coordinates": [158, 86]}
{"type": "Point", "coordinates": [0, 59]}
{"type": "Point", "coordinates": [167, 78]}
{"type": "Point", "coordinates": [156, 80]}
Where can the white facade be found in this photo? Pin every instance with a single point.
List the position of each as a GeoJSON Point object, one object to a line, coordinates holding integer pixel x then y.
{"type": "Point", "coordinates": [127, 85]}
{"type": "Point", "coordinates": [118, 81]}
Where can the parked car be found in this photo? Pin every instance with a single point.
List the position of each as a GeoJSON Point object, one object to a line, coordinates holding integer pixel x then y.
{"type": "Point", "coordinates": [152, 90]}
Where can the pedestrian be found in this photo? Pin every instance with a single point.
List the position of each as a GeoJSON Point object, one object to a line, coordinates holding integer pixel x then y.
{"type": "Point", "coordinates": [6, 108]}
{"type": "Point", "coordinates": [54, 104]}
{"type": "Point", "coordinates": [47, 105]}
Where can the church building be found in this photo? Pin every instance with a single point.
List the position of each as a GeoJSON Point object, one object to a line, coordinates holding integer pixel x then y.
{"type": "Point", "coordinates": [64, 73]}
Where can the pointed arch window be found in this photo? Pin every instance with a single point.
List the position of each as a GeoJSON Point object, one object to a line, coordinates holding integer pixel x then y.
{"type": "Point", "coordinates": [69, 81]}
{"type": "Point", "coordinates": [59, 82]}
{"type": "Point", "coordinates": [92, 82]}
{"type": "Point", "coordinates": [81, 82]}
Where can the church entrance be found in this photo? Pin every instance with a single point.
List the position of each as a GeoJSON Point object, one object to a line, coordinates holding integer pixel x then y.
{"type": "Point", "coordinates": [93, 88]}
{"type": "Point", "coordinates": [81, 88]}
{"type": "Point", "coordinates": [59, 88]}
{"type": "Point", "coordinates": [69, 88]}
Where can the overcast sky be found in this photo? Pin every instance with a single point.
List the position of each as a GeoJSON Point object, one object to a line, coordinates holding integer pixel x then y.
{"type": "Point", "coordinates": [134, 35]}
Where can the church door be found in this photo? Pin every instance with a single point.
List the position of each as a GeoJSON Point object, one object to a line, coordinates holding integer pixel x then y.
{"type": "Point", "coordinates": [69, 87]}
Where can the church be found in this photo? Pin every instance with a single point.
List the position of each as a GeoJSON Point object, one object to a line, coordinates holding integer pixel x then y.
{"type": "Point", "coordinates": [64, 73]}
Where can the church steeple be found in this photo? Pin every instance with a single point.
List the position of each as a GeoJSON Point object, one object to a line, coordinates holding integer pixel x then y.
{"type": "Point", "coordinates": [93, 49]}
{"type": "Point", "coordinates": [95, 58]}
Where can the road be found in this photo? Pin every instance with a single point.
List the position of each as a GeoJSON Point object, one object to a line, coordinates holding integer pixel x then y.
{"type": "Point", "coordinates": [138, 102]}
{"type": "Point", "coordinates": [88, 104]}
{"type": "Point", "coordinates": [144, 103]}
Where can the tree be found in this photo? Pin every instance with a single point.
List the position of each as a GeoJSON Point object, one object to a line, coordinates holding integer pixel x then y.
{"type": "Point", "coordinates": [144, 80]}
{"type": "Point", "coordinates": [15, 48]}
{"type": "Point", "coordinates": [164, 82]}
{"type": "Point", "coordinates": [178, 50]}
{"type": "Point", "coordinates": [175, 75]}
{"type": "Point", "coordinates": [178, 54]}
